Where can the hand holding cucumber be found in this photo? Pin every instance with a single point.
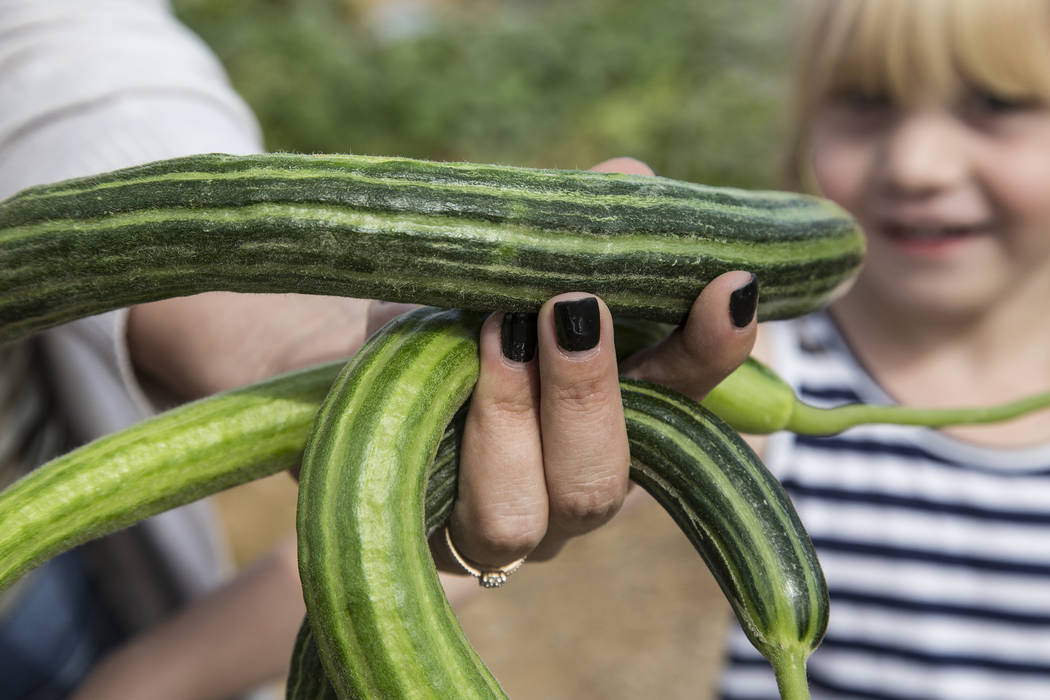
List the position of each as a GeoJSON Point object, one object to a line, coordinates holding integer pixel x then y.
{"type": "Point", "coordinates": [545, 451]}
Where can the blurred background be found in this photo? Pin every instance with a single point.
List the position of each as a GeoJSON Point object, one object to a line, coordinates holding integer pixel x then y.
{"type": "Point", "coordinates": [695, 88]}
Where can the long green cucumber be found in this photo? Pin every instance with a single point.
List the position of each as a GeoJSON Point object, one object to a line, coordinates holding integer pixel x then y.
{"type": "Point", "coordinates": [174, 458]}
{"type": "Point", "coordinates": [307, 679]}
{"type": "Point", "coordinates": [378, 615]}
{"type": "Point", "coordinates": [740, 520]}
{"type": "Point", "coordinates": [203, 447]}
{"type": "Point", "coordinates": [449, 234]}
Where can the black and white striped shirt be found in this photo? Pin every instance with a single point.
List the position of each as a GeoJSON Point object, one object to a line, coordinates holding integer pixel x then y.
{"type": "Point", "coordinates": [936, 552]}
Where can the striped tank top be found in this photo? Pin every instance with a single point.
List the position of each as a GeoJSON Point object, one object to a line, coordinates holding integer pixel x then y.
{"type": "Point", "coordinates": [936, 552]}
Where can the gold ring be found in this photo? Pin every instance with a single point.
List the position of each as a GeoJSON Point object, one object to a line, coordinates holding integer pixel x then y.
{"type": "Point", "coordinates": [487, 578]}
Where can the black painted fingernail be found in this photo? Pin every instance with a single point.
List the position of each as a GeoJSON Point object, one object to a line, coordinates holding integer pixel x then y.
{"type": "Point", "coordinates": [577, 324]}
{"type": "Point", "coordinates": [518, 336]}
{"type": "Point", "coordinates": [743, 302]}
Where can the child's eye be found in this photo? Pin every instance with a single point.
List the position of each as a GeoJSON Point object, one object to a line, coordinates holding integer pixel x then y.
{"type": "Point", "coordinates": [859, 112]}
{"type": "Point", "coordinates": [863, 102]}
{"type": "Point", "coordinates": [987, 103]}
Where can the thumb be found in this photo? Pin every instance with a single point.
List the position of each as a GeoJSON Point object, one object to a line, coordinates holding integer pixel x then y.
{"type": "Point", "coordinates": [623, 164]}
{"type": "Point", "coordinates": [716, 338]}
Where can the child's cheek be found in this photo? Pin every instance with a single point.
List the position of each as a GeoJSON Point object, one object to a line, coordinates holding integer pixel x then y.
{"type": "Point", "coordinates": [1020, 186]}
{"type": "Point", "coordinates": [840, 168]}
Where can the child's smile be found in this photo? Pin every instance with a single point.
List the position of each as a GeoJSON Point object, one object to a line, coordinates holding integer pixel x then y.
{"type": "Point", "coordinates": [931, 239]}
{"type": "Point", "coordinates": [955, 199]}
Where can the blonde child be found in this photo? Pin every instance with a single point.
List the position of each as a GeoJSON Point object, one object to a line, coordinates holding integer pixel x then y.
{"type": "Point", "coordinates": [929, 120]}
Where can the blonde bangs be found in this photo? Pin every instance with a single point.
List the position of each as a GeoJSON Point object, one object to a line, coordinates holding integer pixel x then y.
{"type": "Point", "coordinates": [912, 50]}
{"type": "Point", "coordinates": [1003, 47]}
{"type": "Point", "coordinates": [888, 48]}
{"type": "Point", "coordinates": [908, 49]}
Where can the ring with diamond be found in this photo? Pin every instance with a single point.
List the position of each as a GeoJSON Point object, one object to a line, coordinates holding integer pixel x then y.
{"type": "Point", "coordinates": [487, 578]}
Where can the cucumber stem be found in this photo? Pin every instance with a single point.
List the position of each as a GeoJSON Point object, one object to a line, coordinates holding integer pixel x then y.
{"type": "Point", "coordinates": [790, 672]}
{"type": "Point", "coordinates": [811, 420]}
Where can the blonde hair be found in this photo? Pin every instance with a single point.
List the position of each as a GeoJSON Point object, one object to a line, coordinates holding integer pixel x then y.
{"type": "Point", "coordinates": [911, 49]}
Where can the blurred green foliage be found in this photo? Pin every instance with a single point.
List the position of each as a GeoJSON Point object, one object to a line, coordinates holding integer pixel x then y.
{"type": "Point", "coordinates": [693, 87]}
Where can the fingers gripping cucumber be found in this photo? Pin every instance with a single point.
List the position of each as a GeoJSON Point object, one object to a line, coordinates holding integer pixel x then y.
{"type": "Point", "coordinates": [377, 613]}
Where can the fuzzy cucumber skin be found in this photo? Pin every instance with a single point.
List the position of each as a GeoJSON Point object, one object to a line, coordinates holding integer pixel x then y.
{"type": "Point", "coordinates": [307, 679]}
{"type": "Point", "coordinates": [376, 606]}
{"type": "Point", "coordinates": [172, 459]}
{"type": "Point", "coordinates": [737, 516]}
{"type": "Point", "coordinates": [455, 235]}
{"type": "Point", "coordinates": [123, 478]}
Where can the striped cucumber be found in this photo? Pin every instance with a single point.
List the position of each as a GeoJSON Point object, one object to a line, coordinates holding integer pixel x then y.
{"type": "Point", "coordinates": [307, 679]}
{"type": "Point", "coordinates": [449, 234]}
{"type": "Point", "coordinates": [218, 442]}
{"type": "Point", "coordinates": [740, 520]}
{"type": "Point", "coordinates": [174, 458]}
{"type": "Point", "coordinates": [477, 237]}
{"type": "Point", "coordinates": [378, 615]}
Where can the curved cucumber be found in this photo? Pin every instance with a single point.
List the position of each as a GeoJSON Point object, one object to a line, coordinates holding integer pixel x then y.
{"type": "Point", "coordinates": [378, 612]}
{"type": "Point", "coordinates": [732, 510]}
{"type": "Point", "coordinates": [449, 234]}
{"type": "Point", "coordinates": [378, 615]}
{"type": "Point", "coordinates": [307, 679]}
{"type": "Point", "coordinates": [740, 520]}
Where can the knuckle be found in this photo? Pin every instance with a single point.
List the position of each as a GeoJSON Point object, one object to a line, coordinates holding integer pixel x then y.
{"type": "Point", "coordinates": [698, 367]}
{"type": "Point", "coordinates": [507, 537]}
{"type": "Point", "coordinates": [510, 406]}
{"type": "Point", "coordinates": [580, 395]}
{"type": "Point", "coordinates": [502, 400]}
{"type": "Point", "coordinates": [697, 351]}
{"type": "Point", "coordinates": [586, 507]}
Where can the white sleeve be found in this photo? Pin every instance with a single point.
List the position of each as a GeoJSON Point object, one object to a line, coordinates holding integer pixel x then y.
{"type": "Point", "coordinates": [93, 85]}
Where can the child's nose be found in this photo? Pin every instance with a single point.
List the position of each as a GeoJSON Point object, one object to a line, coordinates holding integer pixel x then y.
{"type": "Point", "coordinates": [925, 152]}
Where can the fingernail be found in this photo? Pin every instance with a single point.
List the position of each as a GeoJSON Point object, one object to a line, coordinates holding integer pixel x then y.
{"type": "Point", "coordinates": [743, 302]}
{"type": "Point", "coordinates": [518, 336]}
{"type": "Point", "coordinates": [577, 324]}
